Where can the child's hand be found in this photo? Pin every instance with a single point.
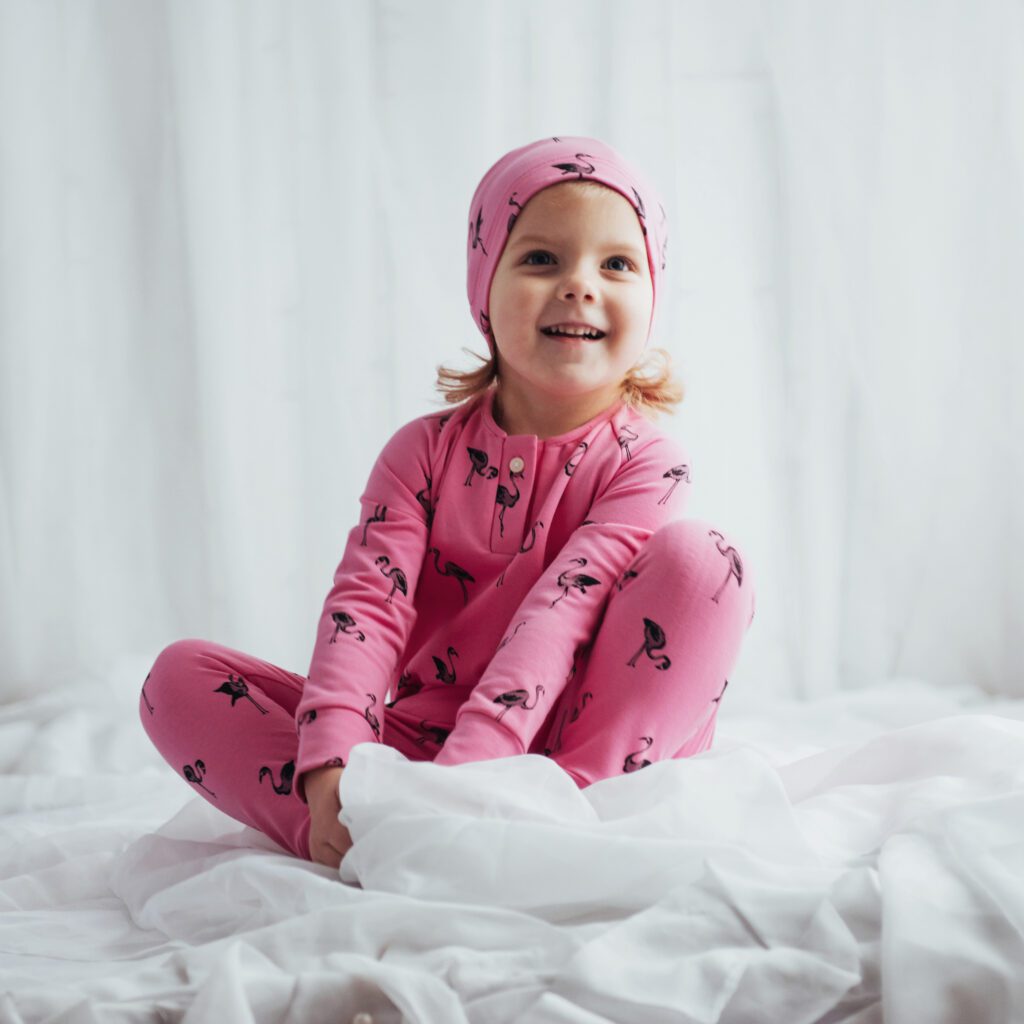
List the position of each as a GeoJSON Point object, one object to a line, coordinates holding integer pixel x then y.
{"type": "Point", "coordinates": [329, 840]}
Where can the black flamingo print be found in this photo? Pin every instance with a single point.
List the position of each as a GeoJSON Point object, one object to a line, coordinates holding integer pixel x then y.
{"type": "Point", "coordinates": [506, 499]}
{"type": "Point", "coordinates": [333, 762]}
{"type": "Point", "coordinates": [434, 733]}
{"type": "Point", "coordinates": [735, 563]}
{"type": "Point", "coordinates": [477, 240]}
{"type": "Point", "coordinates": [371, 717]}
{"type": "Point", "coordinates": [654, 640]}
{"type": "Point", "coordinates": [722, 694]}
{"type": "Point", "coordinates": [574, 580]}
{"type": "Point", "coordinates": [485, 323]}
{"type": "Point", "coordinates": [582, 649]}
{"type": "Point", "coordinates": [629, 574]}
{"type": "Point", "coordinates": [287, 774]}
{"type": "Point", "coordinates": [628, 434]}
{"type": "Point", "coordinates": [379, 515]}
{"type": "Point", "coordinates": [144, 697]}
{"type": "Point", "coordinates": [442, 419]}
{"type": "Point", "coordinates": [570, 466]}
{"type": "Point", "coordinates": [408, 684]}
{"type": "Point", "coordinates": [445, 671]}
{"type": "Point", "coordinates": [631, 764]}
{"type": "Point", "coordinates": [342, 622]}
{"type": "Point", "coordinates": [397, 577]}
{"type": "Point", "coordinates": [478, 464]}
{"type": "Point", "coordinates": [524, 547]}
{"type": "Point", "coordinates": [641, 212]}
{"type": "Point", "coordinates": [423, 497]}
{"type": "Point", "coordinates": [451, 569]}
{"type": "Point", "coordinates": [304, 719]}
{"type": "Point", "coordinates": [509, 639]}
{"type": "Point", "coordinates": [517, 699]}
{"type": "Point", "coordinates": [237, 687]}
{"type": "Point", "coordinates": [512, 217]}
{"type": "Point", "coordinates": [196, 775]}
{"type": "Point", "coordinates": [581, 169]}
{"type": "Point", "coordinates": [568, 718]}
{"type": "Point", "coordinates": [680, 472]}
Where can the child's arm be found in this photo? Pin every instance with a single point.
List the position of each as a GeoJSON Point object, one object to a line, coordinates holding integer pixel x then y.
{"type": "Point", "coordinates": [368, 613]}
{"type": "Point", "coordinates": [649, 490]}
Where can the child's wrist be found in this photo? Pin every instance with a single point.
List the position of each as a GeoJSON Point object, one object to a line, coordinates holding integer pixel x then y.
{"type": "Point", "coordinates": [322, 778]}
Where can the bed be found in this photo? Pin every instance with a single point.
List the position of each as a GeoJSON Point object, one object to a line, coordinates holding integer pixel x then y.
{"type": "Point", "coordinates": [851, 859]}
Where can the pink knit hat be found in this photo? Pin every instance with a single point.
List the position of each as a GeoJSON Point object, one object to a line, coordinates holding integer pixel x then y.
{"type": "Point", "coordinates": [507, 186]}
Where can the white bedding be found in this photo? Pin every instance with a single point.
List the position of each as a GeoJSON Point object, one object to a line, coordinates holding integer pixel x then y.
{"type": "Point", "coordinates": [830, 861]}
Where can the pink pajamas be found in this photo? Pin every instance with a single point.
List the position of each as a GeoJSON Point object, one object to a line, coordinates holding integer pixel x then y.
{"type": "Point", "coordinates": [501, 594]}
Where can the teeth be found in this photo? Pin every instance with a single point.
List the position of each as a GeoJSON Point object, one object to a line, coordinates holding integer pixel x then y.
{"type": "Point", "coordinates": [579, 332]}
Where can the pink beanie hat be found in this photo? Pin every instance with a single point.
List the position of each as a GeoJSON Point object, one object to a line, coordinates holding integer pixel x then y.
{"type": "Point", "coordinates": [509, 183]}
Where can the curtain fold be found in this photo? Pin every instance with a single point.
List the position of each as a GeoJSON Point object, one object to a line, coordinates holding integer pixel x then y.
{"type": "Point", "coordinates": [232, 258]}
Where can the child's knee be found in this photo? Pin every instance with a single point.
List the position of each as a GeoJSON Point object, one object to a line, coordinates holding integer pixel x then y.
{"type": "Point", "coordinates": [699, 555]}
{"type": "Point", "coordinates": [175, 666]}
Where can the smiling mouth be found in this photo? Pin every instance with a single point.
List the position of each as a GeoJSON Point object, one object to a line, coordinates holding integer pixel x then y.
{"type": "Point", "coordinates": [572, 337]}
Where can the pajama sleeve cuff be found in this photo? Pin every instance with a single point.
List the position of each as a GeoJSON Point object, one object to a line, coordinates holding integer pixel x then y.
{"type": "Point", "coordinates": [328, 741]}
{"type": "Point", "coordinates": [477, 737]}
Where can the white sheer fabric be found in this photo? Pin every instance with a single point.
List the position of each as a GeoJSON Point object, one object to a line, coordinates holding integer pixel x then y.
{"type": "Point", "coordinates": [828, 859]}
{"type": "Point", "coordinates": [232, 257]}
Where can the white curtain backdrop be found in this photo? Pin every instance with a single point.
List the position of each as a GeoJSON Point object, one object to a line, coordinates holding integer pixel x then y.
{"type": "Point", "coordinates": [232, 254]}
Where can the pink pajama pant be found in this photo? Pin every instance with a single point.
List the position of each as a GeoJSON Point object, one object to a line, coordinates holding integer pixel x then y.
{"type": "Point", "coordinates": [688, 586]}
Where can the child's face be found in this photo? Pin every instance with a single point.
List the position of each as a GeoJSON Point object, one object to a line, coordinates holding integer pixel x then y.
{"type": "Point", "coordinates": [591, 266]}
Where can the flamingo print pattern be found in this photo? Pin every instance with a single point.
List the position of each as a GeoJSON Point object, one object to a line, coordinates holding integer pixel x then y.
{"type": "Point", "coordinates": [284, 787]}
{"type": "Point", "coordinates": [678, 474]}
{"type": "Point", "coordinates": [397, 577]}
{"type": "Point", "coordinates": [478, 466]}
{"type": "Point", "coordinates": [506, 558]}
{"type": "Point", "coordinates": [570, 580]}
{"type": "Point", "coordinates": [735, 564]}
{"type": "Point", "coordinates": [506, 499]}
{"type": "Point", "coordinates": [196, 774]}
{"type": "Point", "coordinates": [618, 568]}
{"type": "Point", "coordinates": [343, 623]}
{"type": "Point", "coordinates": [149, 707]}
{"type": "Point", "coordinates": [445, 670]}
{"type": "Point", "coordinates": [517, 699]}
{"type": "Point", "coordinates": [654, 640]}
{"type": "Point", "coordinates": [237, 688]}
{"type": "Point", "coordinates": [379, 516]}
{"type": "Point", "coordinates": [451, 569]}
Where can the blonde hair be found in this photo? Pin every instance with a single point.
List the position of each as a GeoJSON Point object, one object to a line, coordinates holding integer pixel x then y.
{"type": "Point", "coordinates": [650, 394]}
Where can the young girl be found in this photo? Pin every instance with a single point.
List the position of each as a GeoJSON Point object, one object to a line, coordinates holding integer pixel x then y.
{"type": "Point", "coordinates": [520, 579]}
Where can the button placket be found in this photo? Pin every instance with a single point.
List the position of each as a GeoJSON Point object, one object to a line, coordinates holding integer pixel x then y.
{"type": "Point", "coordinates": [512, 497]}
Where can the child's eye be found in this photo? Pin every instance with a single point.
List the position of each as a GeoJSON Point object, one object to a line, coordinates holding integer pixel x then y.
{"type": "Point", "coordinates": [541, 252]}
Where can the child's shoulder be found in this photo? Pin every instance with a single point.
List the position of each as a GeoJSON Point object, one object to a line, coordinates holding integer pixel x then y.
{"type": "Point", "coordinates": [424, 435]}
{"type": "Point", "coordinates": [639, 436]}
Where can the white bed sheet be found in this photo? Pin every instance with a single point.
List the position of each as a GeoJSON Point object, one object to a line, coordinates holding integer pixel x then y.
{"type": "Point", "coordinates": [848, 860]}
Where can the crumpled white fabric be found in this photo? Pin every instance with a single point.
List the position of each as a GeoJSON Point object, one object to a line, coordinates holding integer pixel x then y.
{"type": "Point", "coordinates": [824, 861]}
{"type": "Point", "coordinates": [723, 887]}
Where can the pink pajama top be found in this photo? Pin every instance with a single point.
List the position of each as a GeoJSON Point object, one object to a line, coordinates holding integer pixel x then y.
{"type": "Point", "coordinates": [481, 563]}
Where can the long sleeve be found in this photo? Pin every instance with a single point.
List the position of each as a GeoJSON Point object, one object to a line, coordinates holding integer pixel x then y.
{"type": "Point", "coordinates": [562, 610]}
{"type": "Point", "coordinates": [369, 612]}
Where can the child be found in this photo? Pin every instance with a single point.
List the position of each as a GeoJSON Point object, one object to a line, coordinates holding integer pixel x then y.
{"type": "Point", "coordinates": [520, 579]}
